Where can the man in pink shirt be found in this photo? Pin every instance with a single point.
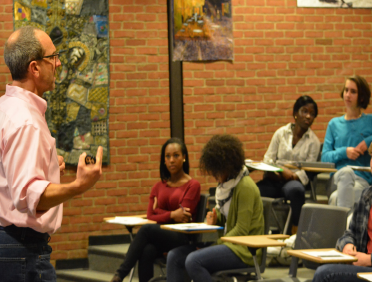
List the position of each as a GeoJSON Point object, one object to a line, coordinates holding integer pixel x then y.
{"type": "Point", "coordinates": [31, 196]}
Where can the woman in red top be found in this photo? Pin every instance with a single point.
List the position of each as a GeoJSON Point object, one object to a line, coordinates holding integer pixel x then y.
{"type": "Point", "coordinates": [173, 199]}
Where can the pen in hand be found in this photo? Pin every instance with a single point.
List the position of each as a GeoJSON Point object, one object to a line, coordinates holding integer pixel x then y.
{"type": "Point", "coordinates": [183, 209]}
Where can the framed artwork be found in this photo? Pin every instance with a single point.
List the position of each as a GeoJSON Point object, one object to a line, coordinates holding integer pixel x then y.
{"type": "Point", "coordinates": [77, 113]}
{"type": "Point", "coordinates": [202, 30]}
{"type": "Point", "coordinates": [335, 3]}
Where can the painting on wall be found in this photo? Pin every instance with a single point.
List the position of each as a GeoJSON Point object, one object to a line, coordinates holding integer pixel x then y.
{"type": "Point", "coordinates": [335, 3]}
{"type": "Point", "coordinates": [77, 113]}
{"type": "Point", "coordinates": [202, 30]}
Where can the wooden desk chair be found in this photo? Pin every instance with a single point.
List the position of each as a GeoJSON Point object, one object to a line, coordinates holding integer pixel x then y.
{"type": "Point", "coordinates": [320, 227]}
{"type": "Point", "coordinates": [201, 212]}
{"type": "Point", "coordinates": [227, 275]}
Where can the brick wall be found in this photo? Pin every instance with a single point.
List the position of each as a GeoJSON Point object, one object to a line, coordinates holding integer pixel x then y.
{"type": "Point", "coordinates": [280, 52]}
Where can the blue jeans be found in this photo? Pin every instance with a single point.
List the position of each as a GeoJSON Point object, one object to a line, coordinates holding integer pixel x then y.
{"type": "Point", "coordinates": [200, 264]}
{"type": "Point", "coordinates": [339, 273]}
{"type": "Point", "coordinates": [25, 256]}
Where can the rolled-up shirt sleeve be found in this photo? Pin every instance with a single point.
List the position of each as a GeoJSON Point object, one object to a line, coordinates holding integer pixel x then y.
{"type": "Point", "coordinates": [26, 163]}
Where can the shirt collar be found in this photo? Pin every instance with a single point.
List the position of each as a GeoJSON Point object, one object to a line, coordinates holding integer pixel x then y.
{"type": "Point", "coordinates": [30, 98]}
{"type": "Point", "coordinates": [289, 130]}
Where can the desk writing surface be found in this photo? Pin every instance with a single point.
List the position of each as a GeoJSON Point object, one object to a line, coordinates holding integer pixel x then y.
{"type": "Point", "coordinates": [259, 241]}
{"type": "Point", "coordinates": [365, 275]}
{"type": "Point", "coordinates": [131, 220]}
{"type": "Point", "coordinates": [170, 227]}
{"type": "Point", "coordinates": [311, 169]}
{"type": "Point", "coordinates": [302, 255]}
{"type": "Point", "coordinates": [329, 170]}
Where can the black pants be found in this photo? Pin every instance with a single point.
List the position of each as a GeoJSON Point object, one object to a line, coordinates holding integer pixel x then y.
{"type": "Point", "coordinates": [293, 191]}
{"type": "Point", "coordinates": [150, 242]}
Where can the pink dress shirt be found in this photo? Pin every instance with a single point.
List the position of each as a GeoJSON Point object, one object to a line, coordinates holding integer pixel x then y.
{"type": "Point", "coordinates": [28, 161]}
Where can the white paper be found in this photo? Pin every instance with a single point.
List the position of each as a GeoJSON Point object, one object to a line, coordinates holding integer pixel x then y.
{"type": "Point", "coordinates": [261, 166]}
{"type": "Point", "coordinates": [367, 277]}
{"type": "Point", "coordinates": [329, 255]}
{"type": "Point", "coordinates": [193, 226]}
{"type": "Point", "coordinates": [127, 220]}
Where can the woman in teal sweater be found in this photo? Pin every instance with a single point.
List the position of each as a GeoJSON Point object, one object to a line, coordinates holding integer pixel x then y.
{"type": "Point", "coordinates": [346, 142]}
{"type": "Point", "coordinates": [238, 209]}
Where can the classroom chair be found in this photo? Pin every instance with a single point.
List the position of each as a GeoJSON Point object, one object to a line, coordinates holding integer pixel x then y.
{"type": "Point", "coordinates": [320, 227]}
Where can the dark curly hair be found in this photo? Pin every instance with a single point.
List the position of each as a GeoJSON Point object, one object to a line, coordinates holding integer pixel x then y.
{"type": "Point", "coordinates": [164, 172]}
{"type": "Point", "coordinates": [364, 92]}
{"type": "Point", "coordinates": [222, 154]}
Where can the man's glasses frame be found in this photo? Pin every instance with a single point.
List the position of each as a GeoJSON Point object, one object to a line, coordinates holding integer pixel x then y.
{"type": "Point", "coordinates": [56, 55]}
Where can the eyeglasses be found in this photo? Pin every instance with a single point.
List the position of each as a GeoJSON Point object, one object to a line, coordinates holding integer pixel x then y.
{"type": "Point", "coordinates": [56, 55]}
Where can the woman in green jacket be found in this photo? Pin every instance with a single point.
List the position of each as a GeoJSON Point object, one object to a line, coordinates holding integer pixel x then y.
{"type": "Point", "coordinates": [238, 209]}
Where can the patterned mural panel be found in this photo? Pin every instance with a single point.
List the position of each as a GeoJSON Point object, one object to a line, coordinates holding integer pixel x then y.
{"type": "Point", "coordinates": [77, 112]}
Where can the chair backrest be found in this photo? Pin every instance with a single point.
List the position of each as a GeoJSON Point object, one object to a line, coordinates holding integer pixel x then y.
{"type": "Point", "coordinates": [319, 227]}
{"type": "Point", "coordinates": [201, 209]}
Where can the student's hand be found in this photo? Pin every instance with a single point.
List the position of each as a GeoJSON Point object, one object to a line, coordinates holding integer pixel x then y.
{"type": "Point", "coordinates": [350, 249]}
{"type": "Point", "coordinates": [362, 146]}
{"type": "Point", "coordinates": [62, 165]}
{"type": "Point", "coordinates": [88, 175]}
{"type": "Point", "coordinates": [287, 174]}
{"type": "Point", "coordinates": [212, 217]}
{"type": "Point", "coordinates": [363, 259]}
{"type": "Point", "coordinates": [274, 176]}
{"type": "Point", "coordinates": [353, 153]}
{"type": "Point", "coordinates": [181, 215]}
{"type": "Point", "coordinates": [155, 205]}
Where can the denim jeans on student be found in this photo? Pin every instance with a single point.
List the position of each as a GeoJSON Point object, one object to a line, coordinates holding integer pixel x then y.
{"type": "Point", "coordinates": [200, 264]}
{"type": "Point", "coordinates": [339, 273]}
{"type": "Point", "coordinates": [25, 256]}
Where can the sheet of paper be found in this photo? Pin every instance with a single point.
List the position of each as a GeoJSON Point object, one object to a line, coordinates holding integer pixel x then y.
{"type": "Point", "coordinates": [127, 220]}
{"type": "Point", "coordinates": [193, 226]}
{"type": "Point", "coordinates": [262, 166]}
{"type": "Point", "coordinates": [367, 277]}
{"type": "Point", "coordinates": [329, 255]}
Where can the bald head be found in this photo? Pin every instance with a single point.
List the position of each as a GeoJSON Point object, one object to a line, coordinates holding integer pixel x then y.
{"type": "Point", "coordinates": [21, 48]}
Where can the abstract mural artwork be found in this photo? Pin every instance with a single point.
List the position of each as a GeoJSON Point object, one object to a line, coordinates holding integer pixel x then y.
{"type": "Point", "coordinates": [202, 30]}
{"type": "Point", "coordinates": [77, 113]}
{"type": "Point", "coordinates": [335, 3]}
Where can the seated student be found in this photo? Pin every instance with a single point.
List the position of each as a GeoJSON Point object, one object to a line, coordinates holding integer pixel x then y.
{"type": "Point", "coordinates": [292, 142]}
{"type": "Point", "coordinates": [173, 199]}
{"type": "Point", "coordinates": [346, 141]}
{"type": "Point", "coordinates": [357, 241]}
{"type": "Point", "coordinates": [239, 210]}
